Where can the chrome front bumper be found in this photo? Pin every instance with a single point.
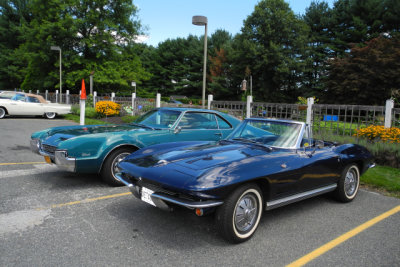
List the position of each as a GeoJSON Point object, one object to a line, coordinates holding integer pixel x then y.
{"type": "Point", "coordinates": [35, 146]}
{"type": "Point", "coordinates": [162, 200]}
{"type": "Point", "coordinates": [60, 157]}
{"type": "Point", "coordinates": [63, 161]}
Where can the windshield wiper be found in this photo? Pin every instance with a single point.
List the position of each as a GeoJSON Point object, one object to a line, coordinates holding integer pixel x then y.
{"type": "Point", "coordinates": [253, 142]}
{"type": "Point", "coordinates": [245, 140]}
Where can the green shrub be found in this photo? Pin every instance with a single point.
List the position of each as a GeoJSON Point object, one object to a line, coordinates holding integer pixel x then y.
{"type": "Point", "coordinates": [386, 154]}
{"type": "Point", "coordinates": [90, 112]}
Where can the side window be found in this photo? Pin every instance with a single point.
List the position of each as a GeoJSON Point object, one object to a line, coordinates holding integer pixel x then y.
{"type": "Point", "coordinates": [18, 97]}
{"type": "Point", "coordinates": [223, 124]}
{"type": "Point", "coordinates": [196, 120]}
{"type": "Point", "coordinates": [32, 99]}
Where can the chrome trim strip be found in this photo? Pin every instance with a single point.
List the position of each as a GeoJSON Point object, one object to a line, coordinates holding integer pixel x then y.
{"type": "Point", "coordinates": [63, 161]}
{"type": "Point", "coordinates": [159, 198]}
{"type": "Point", "coordinates": [119, 177]}
{"type": "Point", "coordinates": [187, 203]}
{"type": "Point", "coordinates": [301, 196]}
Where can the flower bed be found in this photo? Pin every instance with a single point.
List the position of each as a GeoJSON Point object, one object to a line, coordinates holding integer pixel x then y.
{"type": "Point", "coordinates": [107, 108]}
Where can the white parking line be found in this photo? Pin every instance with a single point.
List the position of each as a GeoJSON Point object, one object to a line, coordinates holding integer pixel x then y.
{"type": "Point", "coordinates": [37, 169]}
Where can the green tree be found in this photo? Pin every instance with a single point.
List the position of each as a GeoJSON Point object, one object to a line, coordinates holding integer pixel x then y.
{"type": "Point", "coordinates": [271, 44]}
{"type": "Point", "coordinates": [219, 66]}
{"type": "Point", "coordinates": [319, 48]}
{"type": "Point", "coordinates": [93, 35]}
{"type": "Point", "coordinates": [12, 61]}
{"type": "Point", "coordinates": [367, 75]}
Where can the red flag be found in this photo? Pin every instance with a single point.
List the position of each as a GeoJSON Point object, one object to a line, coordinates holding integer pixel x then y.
{"type": "Point", "coordinates": [83, 90]}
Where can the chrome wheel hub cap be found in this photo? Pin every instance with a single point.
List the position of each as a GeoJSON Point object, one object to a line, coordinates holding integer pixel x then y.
{"type": "Point", "coordinates": [246, 213]}
{"type": "Point", "coordinates": [118, 159]}
{"type": "Point", "coordinates": [350, 183]}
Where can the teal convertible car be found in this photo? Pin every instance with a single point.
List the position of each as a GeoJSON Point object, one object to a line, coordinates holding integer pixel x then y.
{"type": "Point", "coordinates": [99, 148]}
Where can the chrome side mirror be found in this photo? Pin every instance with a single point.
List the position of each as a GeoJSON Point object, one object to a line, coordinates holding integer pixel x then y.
{"type": "Point", "coordinates": [178, 129]}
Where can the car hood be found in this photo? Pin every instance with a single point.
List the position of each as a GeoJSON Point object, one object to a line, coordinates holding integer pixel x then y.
{"type": "Point", "coordinates": [58, 134]}
{"type": "Point", "coordinates": [183, 166]}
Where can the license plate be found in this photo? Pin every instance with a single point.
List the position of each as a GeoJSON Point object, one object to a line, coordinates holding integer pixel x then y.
{"type": "Point", "coordinates": [47, 159]}
{"type": "Point", "coordinates": [146, 196]}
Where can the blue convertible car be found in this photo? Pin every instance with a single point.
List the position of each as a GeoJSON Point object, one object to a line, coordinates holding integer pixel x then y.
{"type": "Point", "coordinates": [98, 148]}
{"type": "Point", "coordinates": [262, 165]}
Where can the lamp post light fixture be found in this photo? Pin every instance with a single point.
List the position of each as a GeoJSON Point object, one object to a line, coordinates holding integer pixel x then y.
{"type": "Point", "coordinates": [202, 21]}
{"type": "Point", "coordinates": [57, 48]}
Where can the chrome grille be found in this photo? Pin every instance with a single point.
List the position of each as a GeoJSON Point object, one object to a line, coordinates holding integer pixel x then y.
{"type": "Point", "coordinates": [157, 188]}
{"type": "Point", "coordinates": [49, 149]}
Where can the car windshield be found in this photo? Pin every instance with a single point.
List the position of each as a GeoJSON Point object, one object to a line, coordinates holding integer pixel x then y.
{"type": "Point", "coordinates": [268, 132]}
{"type": "Point", "coordinates": [159, 118]}
{"type": "Point", "coordinates": [7, 95]}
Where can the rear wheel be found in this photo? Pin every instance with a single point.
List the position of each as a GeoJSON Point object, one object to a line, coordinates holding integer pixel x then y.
{"type": "Point", "coordinates": [238, 218]}
{"type": "Point", "coordinates": [348, 184]}
{"type": "Point", "coordinates": [50, 115]}
{"type": "Point", "coordinates": [2, 112]}
{"type": "Point", "coordinates": [110, 167]}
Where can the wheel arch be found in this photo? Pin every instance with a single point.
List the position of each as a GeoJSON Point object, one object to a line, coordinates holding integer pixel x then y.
{"type": "Point", "coordinates": [264, 186]}
{"type": "Point", "coordinates": [262, 183]}
{"type": "Point", "coordinates": [115, 148]}
{"type": "Point", "coordinates": [4, 109]}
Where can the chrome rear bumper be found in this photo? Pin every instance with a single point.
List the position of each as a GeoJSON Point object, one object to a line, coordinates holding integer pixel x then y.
{"type": "Point", "coordinates": [162, 200]}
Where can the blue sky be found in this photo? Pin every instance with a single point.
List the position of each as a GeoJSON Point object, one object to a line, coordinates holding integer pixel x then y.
{"type": "Point", "coordinates": [169, 19]}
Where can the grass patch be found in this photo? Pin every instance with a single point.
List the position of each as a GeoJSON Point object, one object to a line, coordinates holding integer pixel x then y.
{"type": "Point", "coordinates": [129, 118]}
{"type": "Point", "coordinates": [88, 121]}
{"type": "Point", "coordinates": [384, 179]}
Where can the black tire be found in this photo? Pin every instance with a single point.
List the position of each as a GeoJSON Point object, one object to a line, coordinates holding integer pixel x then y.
{"type": "Point", "coordinates": [229, 221]}
{"type": "Point", "coordinates": [2, 112]}
{"type": "Point", "coordinates": [50, 115]}
{"type": "Point", "coordinates": [348, 184]}
{"type": "Point", "coordinates": [109, 166]}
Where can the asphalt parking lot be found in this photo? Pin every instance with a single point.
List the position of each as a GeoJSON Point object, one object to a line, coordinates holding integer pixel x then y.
{"type": "Point", "coordinates": [53, 218]}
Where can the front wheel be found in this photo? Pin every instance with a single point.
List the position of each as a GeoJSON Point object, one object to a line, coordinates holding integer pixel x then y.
{"type": "Point", "coordinates": [110, 166]}
{"type": "Point", "coordinates": [2, 112]}
{"type": "Point", "coordinates": [50, 115]}
{"type": "Point", "coordinates": [348, 184]}
{"type": "Point", "coordinates": [238, 218]}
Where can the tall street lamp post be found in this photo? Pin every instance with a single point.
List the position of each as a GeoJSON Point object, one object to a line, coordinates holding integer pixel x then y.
{"type": "Point", "coordinates": [134, 85]}
{"type": "Point", "coordinates": [202, 21]}
{"type": "Point", "coordinates": [57, 48]}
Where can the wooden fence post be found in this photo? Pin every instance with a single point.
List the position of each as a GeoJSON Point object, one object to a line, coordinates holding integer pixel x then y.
{"type": "Point", "coordinates": [388, 113]}
{"type": "Point", "coordinates": [310, 103]}
{"type": "Point", "coordinates": [210, 99]}
{"type": "Point", "coordinates": [67, 97]}
{"type": "Point", "coordinates": [158, 100]}
{"type": "Point", "coordinates": [47, 94]}
{"type": "Point", "coordinates": [248, 106]}
{"type": "Point", "coordinates": [133, 102]}
{"type": "Point", "coordinates": [56, 96]}
{"type": "Point", "coordinates": [112, 97]}
{"type": "Point", "coordinates": [94, 98]}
